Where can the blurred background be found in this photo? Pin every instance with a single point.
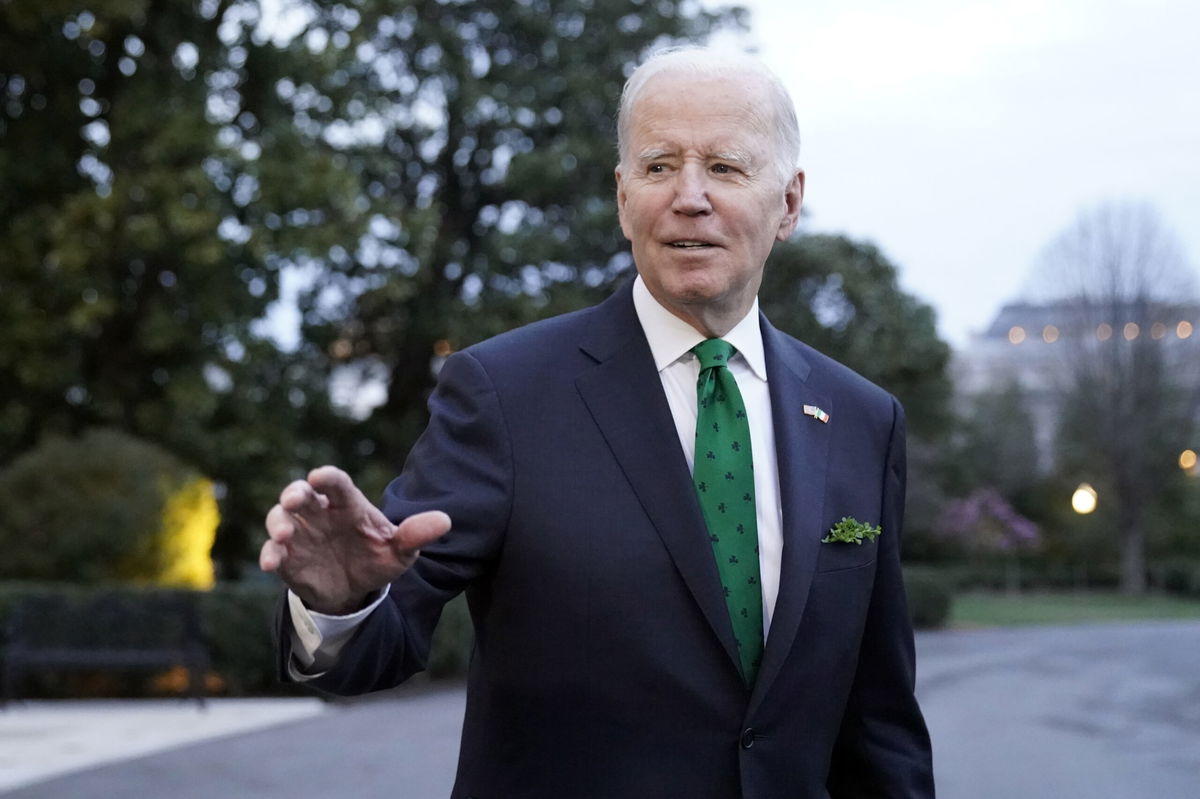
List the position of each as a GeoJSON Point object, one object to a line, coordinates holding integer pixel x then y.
{"type": "Point", "coordinates": [239, 239]}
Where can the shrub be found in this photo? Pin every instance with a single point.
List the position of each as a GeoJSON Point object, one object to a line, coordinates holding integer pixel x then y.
{"type": "Point", "coordinates": [453, 641]}
{"type": "Point", "coordinates": [1177, 576]}
{"type": "Point", "coordinates": [238, 621]}
{"type": "Point", "coordinates": [105, 507]}
{"type": "Point", "coordinates": [929, 597]}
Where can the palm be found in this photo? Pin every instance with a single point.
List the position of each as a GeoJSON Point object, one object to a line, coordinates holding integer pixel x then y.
{"type": "Point", "coordinates": [334, 548]}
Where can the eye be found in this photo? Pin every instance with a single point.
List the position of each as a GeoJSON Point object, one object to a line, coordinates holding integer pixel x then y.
{"type": "Point", "coordinates": [656, 169]}
{"type": "Point", "coordinates": [722, 169]}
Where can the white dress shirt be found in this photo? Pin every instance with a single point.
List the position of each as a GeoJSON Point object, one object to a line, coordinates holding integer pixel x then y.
{"type": "Point", "coordinates": [671, 340]}
{"type": "Point", "coordinates": [317, 638]}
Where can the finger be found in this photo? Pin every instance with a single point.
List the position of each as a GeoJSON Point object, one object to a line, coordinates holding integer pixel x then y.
{"type": "Point", "coordinates": [337, 486]}
{"type": "Point", "coordinates": [421, 529]}
{"type": "Point", "coordinates": [300, 497]}
{"type": "Point", "coordinates": [280, 525]}
{"type": "Point", "coordinates": [271, 556]}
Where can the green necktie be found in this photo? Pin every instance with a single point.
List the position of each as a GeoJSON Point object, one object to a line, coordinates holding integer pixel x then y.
{"type": "Point", "coordinates": [724, 478]}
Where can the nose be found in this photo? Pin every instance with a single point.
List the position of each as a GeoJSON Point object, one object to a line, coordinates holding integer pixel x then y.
{"type": "Point", "coordinates": [691, 191]}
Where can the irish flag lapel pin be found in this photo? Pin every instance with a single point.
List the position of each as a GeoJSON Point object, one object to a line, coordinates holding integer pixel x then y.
{"type": "Point", "coordinates": [816, 413]}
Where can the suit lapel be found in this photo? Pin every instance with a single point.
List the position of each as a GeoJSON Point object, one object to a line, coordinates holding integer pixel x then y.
{"type": "Point", "coordinates": [625, 397]}
{"type": "Point", "coordinates": [802, 447]}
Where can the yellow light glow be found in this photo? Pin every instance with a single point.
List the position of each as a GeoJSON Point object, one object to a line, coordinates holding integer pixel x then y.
{"type": "Point", "coordinates": [1049, 334]}
{"type": "Point", "coordinates": [1104, 331]}
{"type": "Point", "coordinates": [1016, 334]}
{"type": "Point", "coordinates": [190, 522]}
{"type": "Point", "coordinates": [1183, 329]}
{"type": "Point", "coordinates": [1158, 330]}
{"type": "Point", "coordinates": [1083, 501]}
{"type": "Point", "coordinates": [1131, 331]}
{"type": "Point", "coordinates": [1187, 460]}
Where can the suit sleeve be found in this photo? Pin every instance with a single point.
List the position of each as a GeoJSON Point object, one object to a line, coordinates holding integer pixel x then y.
{"type": "Point", "coordinates": [462, 465]}
{"type": "Point", "coordinates": [883, 747]}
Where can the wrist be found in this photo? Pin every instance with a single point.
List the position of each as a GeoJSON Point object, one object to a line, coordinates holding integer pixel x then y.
{"type": "Point", "coordinates": [334, 608]}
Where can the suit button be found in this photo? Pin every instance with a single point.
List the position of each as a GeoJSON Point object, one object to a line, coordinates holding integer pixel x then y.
{"type": "Point", "coordinates": [748, 737]}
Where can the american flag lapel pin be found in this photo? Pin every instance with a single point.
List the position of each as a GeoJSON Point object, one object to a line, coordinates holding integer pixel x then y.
{"type": "Point", "coordinates": [816, 413]}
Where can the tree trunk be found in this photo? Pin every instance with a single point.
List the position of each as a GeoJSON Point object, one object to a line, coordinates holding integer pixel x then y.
{"type": "Point", "coordinates": [1133, 552]}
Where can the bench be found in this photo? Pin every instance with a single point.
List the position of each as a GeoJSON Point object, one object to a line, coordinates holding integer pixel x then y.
{"type": "Point", "coordinates": [118, 631]}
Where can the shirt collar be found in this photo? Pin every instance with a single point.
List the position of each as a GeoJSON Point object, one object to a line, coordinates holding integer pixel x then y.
{"type": "Point", "coordinates": [671, 338]}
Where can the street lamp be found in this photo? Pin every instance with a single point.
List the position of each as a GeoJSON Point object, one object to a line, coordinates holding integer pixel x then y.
{"type": "Point", "coordinates": [1083, 501]}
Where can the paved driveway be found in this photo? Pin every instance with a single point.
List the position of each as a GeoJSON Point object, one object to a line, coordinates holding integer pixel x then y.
{"type": "Point", "coordinates": [1101, 712]}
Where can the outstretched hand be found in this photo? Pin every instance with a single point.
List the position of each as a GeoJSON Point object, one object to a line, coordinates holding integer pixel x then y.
{"type": "Point", "coordinates": [334, 548]}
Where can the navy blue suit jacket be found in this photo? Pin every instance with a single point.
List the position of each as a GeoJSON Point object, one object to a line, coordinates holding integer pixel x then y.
{"type": "Point", "coordinates": [604, 663]}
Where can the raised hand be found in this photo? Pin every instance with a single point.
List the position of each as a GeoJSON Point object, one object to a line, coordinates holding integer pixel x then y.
{"type": "Point", "coordinates": [334, 548]}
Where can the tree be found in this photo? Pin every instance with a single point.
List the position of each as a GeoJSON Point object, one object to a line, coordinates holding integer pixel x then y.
{"type": "Point", "coordinates": [842, 297]}
{"type": "Point", "coordinates": [481, 146]}
{"type": "Point", "coordinates": [139, 249]}
{"type": "Point", "coordinates": [985, 525]}
{"type": "Point", "coordinates": [435, 171]}
{"type": "Point", "coordinates": [994, 445]}
{"type": "Point", "coordinates": [1130, 376]}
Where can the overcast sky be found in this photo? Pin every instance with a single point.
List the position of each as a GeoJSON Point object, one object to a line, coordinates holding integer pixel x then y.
{"type": "Point", "coordinates": [960, 136]}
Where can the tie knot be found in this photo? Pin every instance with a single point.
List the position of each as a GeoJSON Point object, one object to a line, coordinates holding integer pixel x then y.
{"type": "Point", "coordinates": [713, 352]}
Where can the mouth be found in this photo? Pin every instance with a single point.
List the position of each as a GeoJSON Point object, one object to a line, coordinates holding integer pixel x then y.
{"type": "Point", "coordinates": [690, 244]}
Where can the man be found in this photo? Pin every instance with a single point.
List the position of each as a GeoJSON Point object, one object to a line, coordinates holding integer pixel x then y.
{"type": "Point", "coordinates": [579, 481]}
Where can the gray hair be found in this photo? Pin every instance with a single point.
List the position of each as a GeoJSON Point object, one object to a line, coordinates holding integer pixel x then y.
{"type": "Point", "coordinates": [711, 63]}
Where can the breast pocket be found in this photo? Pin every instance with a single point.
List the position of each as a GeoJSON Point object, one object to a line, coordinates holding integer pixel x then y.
{"type": "Point", "coordinates": [838, 556]}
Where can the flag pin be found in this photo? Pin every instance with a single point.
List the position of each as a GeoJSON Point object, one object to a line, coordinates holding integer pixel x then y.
{"type": "Point", "coordinates": [816, 413]}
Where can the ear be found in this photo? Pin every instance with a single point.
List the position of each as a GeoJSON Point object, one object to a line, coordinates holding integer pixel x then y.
{"type": "Point", "coordinates": [621, 202]}
{"type": "Point", "coordinates": [793, 198]}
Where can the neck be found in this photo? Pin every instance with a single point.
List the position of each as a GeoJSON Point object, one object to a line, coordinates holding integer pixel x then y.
{"type": "Point", "coordinates": [710, 321]}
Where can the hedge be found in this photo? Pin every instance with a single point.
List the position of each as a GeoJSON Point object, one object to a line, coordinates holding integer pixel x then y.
{"type": "Point", "coordinates": [930, 594]}
{"type": "Point", "coordinates": [238, 619]}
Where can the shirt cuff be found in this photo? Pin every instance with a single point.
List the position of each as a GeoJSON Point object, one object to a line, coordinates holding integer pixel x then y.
{"type": "Point", "coordinates": [318, 638]}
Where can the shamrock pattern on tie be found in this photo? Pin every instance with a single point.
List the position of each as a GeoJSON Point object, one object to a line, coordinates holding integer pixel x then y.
{"type": "Point", "coordinates": [724, 477]}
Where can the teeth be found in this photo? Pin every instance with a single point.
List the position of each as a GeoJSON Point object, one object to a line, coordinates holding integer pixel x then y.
{"type": "Point", "coordinates": [689, 244]}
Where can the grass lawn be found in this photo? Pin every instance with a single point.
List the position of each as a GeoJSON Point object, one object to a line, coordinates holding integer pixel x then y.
{"type": "Point", "coordinates": [1002, 610]}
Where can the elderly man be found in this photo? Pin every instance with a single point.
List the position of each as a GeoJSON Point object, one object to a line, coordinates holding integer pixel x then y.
{"type": "Point", "coordinates": [640, 500]}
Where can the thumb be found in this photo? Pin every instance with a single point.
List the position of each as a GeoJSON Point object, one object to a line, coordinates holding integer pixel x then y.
{"type": "Point", "coordinates": [421, 529]}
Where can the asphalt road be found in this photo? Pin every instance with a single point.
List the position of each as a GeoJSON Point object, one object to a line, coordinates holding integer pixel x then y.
{"type": "Point", "coordinates": [1099, 712]}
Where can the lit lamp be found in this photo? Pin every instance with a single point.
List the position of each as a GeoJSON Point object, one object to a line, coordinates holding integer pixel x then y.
{"type": "Point", "coordinates": [1187, 461]}
{"type": "Point", "coordinates": [1083, 501]}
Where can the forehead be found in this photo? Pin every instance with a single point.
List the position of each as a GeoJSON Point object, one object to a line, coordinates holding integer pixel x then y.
{"type": "Point", "coordinates": [684, 109]}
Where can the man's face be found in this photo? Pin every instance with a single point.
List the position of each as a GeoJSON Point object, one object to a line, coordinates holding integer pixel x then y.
{"type": "Point", "coordinates": [700, 196]}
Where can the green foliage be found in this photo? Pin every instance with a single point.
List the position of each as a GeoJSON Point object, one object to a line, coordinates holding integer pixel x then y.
{"type": "Point", "coordinates": [977, 609]}
{"type": "Point", "coordinates": [140, 248]}
{"type": "Point", "coordinates": [86, 510]}
{"type": "Point", "coordinates": [851, 531]}
{"type": "Point", "coordinates": [842, 297]}
{"type": "Point", "coordinates": [453, 641]}
{"type": "Point", "coordinates": [422, 171]}
{"type": "Point", "coordinates": [237, 620]}
{"type": "Point", "coordinates": [479, 147]}
{"type": "Point", "coordinates": [1176, 575]}
{"type": "Point", "coordinates": [994, 445]}
{"type": "Point", "coordinates": [929, 597]}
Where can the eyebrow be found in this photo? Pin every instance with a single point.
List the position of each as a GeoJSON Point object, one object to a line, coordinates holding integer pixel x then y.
{"type": "Point", "coordinates": [735, 156]}
{"type": "Point", "coordinates": [653, 154]}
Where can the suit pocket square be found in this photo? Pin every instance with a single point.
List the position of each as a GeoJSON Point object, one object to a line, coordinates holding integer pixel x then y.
{"type": "Point", "coordinates": [851, 531]}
